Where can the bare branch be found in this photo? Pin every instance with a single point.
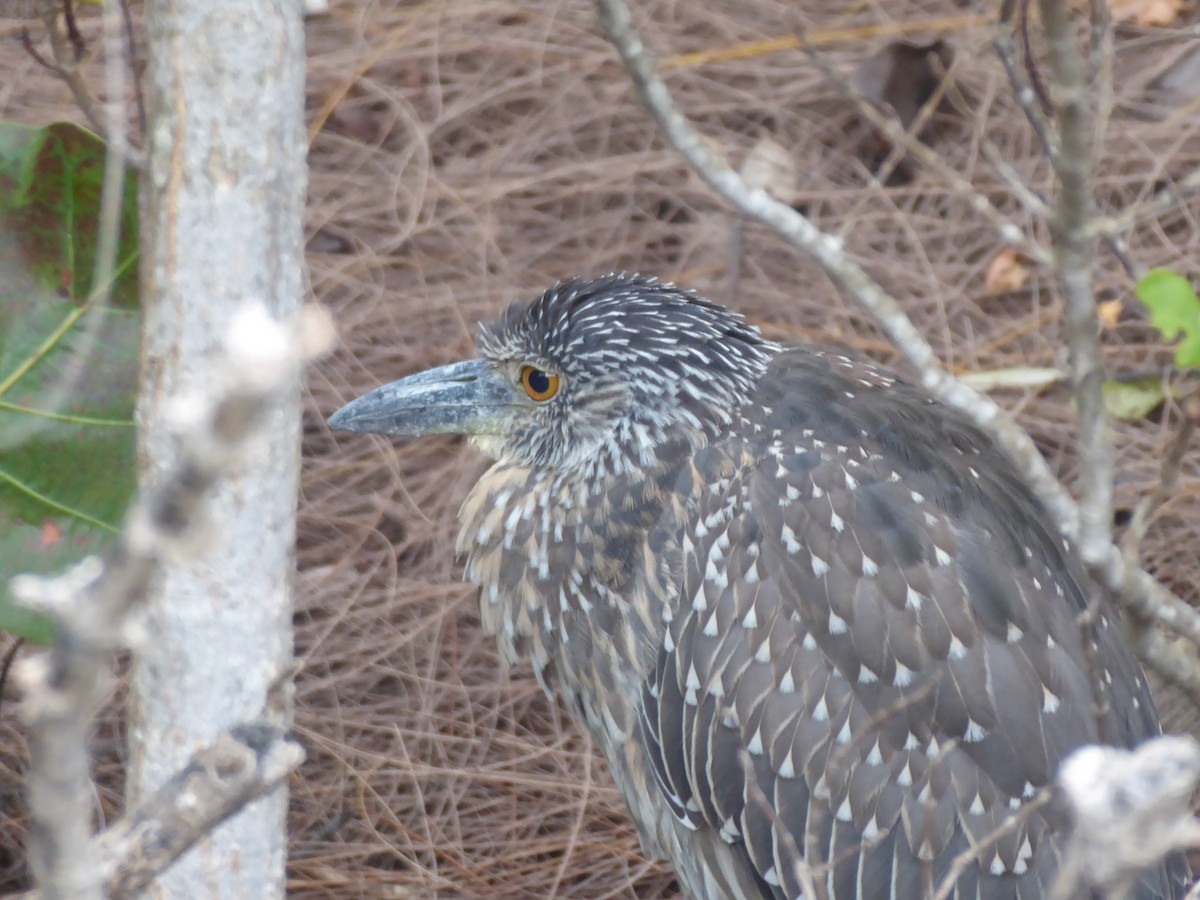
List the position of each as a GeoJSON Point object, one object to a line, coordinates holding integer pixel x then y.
{"type": "Point", "coordinates": [240, 766]}
{"type": "Point", "coordinates": [1073, 265]}
{"type": "Point", "coordinates": [237, 768]}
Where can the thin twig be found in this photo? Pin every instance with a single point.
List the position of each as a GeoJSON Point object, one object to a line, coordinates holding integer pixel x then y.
{"type": "Point", "coordinates": [1073, 267]}
{"type": "Point", "coordinates": [73, 35]}
{"type": "Point", "coordinates": [1024, 94]}
{"type": "Point", "coordinates": [1031, 69]}
{"type": "Point", "coordinates": [1168, 474]}
{"type": "Point", "coordinates": [67, 66]}
{"type": "Point", "coordinates": [1032, 201]}
{"type": "Point", "coordinates": [804, 866]}
{"type": "Point", "coordinates": [963, 861]}
{"type": "Point", "coordinates": [835, 764]}
{"type": "Point", "coordinates": [1027, 101]}
{"type": "Point", "coordinates": [1166, 199]}
{"type": "Point", "coordinates": [1100, 70]}
{"type": "Point", "coordinates": [134, 68]}
{"type": "Point", "coordinates": [899, 136]}
{"type": "Point", "coordinates": [1088, 626]}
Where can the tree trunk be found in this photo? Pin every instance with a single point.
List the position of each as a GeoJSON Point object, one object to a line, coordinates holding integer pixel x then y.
{"type": "Point", "coordinates": [222, 203]}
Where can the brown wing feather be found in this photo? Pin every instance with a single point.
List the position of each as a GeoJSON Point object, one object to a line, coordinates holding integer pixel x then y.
{"type": "Point", "coordinates": [876, 656]}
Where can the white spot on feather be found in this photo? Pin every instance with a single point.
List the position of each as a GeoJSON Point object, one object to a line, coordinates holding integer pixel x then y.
{"type": "Point", "coordinates": [789, 539]}
{"type": "Point", "coordinates": [787, 768]}
{"type": "Point", "coordinates": [820, 713]}
{"type": "Point", "coordinates": [756, 743]}
{"type": "Point", "coordinates": [764, 651]}
{"type": "Point", "coordinates": [843, 736]}
{"type": "Point", "coordinates": [1049, 700]}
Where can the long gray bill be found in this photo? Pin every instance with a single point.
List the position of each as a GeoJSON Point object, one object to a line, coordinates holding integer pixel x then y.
{"type": "Point", "coordinates": [462, 398]}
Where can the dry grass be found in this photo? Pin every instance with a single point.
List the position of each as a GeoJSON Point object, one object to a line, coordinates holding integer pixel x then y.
{"type": "Point", "coordinates": [467, 152]}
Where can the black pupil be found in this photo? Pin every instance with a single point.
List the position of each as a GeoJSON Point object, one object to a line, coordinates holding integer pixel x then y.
{"type": "Point", "coordinates": [538, 381]}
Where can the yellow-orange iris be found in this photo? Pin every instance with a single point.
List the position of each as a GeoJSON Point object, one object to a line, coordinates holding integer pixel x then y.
{"type": "Point", "coordinates": [539, 385]}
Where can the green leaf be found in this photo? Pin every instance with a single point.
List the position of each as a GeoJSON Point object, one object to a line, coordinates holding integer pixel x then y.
{"type": "Point", "coordinates": [1175, 310]}
{"type": "Point", "coordinates": [68, 368]}
{"type": "Point", "coordinates": [1133, 399]}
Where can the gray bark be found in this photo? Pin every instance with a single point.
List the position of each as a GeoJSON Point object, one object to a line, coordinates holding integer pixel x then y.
{"type": "Point", "coordinates": [222, 203]}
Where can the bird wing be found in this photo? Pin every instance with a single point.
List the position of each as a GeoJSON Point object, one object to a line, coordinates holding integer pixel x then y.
{"type": "Point", "coordinates": [876, 657]}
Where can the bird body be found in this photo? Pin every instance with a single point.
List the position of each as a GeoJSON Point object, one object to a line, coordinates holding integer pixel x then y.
{"type": "Point", "coordinates": [816, 623]}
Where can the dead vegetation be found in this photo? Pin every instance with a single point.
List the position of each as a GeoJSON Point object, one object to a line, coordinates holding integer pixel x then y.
{"type": "Point", "coordinates": [468, 152]}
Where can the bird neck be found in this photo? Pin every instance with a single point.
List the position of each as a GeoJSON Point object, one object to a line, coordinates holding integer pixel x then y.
{"type": "Point", "coordinates": [564, 564]}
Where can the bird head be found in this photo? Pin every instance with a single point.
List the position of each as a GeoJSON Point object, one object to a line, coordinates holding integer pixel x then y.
{"type": "Point", "coordinates": [591, 371]}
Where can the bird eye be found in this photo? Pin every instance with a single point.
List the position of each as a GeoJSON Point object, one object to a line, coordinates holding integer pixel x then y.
{"type": "Point", "coordinates": [539, 385]}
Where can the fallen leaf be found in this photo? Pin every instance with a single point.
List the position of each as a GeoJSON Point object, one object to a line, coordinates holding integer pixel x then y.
{"type": "Point", "coordinates": [1007, 272]}
{"type": "Point", "coordinates": [1133, 399]}
{"type": "Point", "coordinates": [1014, 377]}
{"type": "Point", "coordinates": [771, 167]}
{"type": "Point", "coordinates": [1109, 312]}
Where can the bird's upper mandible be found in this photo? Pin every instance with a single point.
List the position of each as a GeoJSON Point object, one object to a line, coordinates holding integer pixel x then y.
{"type": "Point", "coordinates": [827, 639]}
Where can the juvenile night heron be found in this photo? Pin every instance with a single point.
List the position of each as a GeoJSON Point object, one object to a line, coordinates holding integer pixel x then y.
{"type": "Point", "coordinates": [820, 629]}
